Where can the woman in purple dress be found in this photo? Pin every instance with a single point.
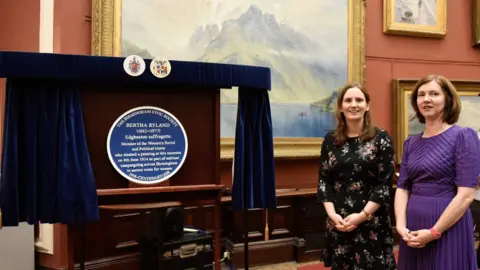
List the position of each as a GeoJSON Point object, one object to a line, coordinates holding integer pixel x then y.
{"type": "Point", "coordinates": [438, 176]}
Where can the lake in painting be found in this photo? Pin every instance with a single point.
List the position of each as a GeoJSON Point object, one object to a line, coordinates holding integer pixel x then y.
{"type": "Point", "coordinates": [291, 120]}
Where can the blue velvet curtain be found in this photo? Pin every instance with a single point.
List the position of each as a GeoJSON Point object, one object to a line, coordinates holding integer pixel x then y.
{"type": "Point", "coordinates": [46, 172]}
{"type": "Point", "coordinates": [254, 164]}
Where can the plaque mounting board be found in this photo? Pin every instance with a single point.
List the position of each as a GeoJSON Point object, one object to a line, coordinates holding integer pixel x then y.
{"type": "Point", "coordinates": [147, 145]}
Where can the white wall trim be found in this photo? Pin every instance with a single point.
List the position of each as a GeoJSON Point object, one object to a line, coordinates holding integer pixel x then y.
{"type": "Point", "coordinates": [44, 241]}
{"type": "Point", "coordinates": [46, 26]}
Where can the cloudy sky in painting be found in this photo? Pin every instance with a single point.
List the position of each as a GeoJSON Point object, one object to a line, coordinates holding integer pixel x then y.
{"type": "Point", "coordinates": [172, 22]}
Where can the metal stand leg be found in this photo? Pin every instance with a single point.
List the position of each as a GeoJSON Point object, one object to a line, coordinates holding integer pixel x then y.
{"type": "Point", "coordinates": [82, 247]}
{"type": "Point", "coordinates": [245, 238]}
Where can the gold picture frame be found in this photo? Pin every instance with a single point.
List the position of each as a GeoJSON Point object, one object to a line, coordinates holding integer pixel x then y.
{"type": "Point", "coordinates": [412, 22]}
{"type": "Point", "coordinates": [106, 41]}
{"type": "Point", "coordinates": [476, 23]}
{"type": "Point", "coordinates": [469, 92]}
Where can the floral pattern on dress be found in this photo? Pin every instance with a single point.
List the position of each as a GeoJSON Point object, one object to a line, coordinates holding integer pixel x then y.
{"type": "Point", "coordinates": [350, 176]}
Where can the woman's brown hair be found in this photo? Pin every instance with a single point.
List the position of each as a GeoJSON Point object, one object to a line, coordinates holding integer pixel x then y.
{"type": "Point", "coordinates": [340, 133]}
{"type": "Point", "coordinates": [453, 105]}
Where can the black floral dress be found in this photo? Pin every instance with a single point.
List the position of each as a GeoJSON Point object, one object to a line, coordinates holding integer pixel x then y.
{"type": "Point", "coordinates": [350, 176]}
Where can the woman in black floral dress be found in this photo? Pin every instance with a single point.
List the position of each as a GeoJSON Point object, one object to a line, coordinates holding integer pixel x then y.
{"type": "Point", "coordinates": [355, 187]}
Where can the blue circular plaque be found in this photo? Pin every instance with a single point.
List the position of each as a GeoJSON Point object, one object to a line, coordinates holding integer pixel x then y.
{"type": "Point", "coordinates": [147, 145]}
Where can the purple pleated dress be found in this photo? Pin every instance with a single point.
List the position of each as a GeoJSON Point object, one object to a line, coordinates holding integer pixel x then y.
{"type": "Point", "coordinates": [432, 169]}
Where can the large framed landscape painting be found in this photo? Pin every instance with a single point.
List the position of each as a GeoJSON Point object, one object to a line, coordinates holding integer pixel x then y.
{"type": "Point", "coordinates": [312, 48]}
{"type": "Point", "coordinates": [469, 92]}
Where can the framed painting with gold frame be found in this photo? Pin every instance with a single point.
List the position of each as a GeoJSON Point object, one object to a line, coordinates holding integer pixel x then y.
{"type": "Point", "coordinates": [107, 39]}
{"type": "Point", "coordinates": [405, 126]}
{"type": "Point", "coordinates": [476, 23]}
{"type": "Point", "coordinates": [424, 18]}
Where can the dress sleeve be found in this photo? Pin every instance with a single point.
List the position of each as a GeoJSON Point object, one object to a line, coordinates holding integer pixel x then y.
{"type": "Point", "coordinates": [467, 158]}
{"type": "Point", "coordinates": [403, 181]}
{"type": "Point", "coordinates": [386, 168]}
{"type": "Point", "coordinates": [325, 192]}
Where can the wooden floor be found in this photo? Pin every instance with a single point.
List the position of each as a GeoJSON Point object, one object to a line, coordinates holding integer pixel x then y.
{"type": "Point", "coordinates": [319, 266]}
{"type": "Point", "coordinates": [309, 266]}
{"type": "Point", "coordinates": [314, 265]}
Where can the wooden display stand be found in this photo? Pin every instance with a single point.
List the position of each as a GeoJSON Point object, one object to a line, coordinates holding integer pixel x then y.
{"type": "Point", "coordinates": [191, 93]}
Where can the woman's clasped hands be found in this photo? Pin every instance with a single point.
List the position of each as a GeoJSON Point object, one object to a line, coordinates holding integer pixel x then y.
{"type": "Point", "coordinates": [415, 239]}
{"type": "Point", "coordinates": [348, 223]}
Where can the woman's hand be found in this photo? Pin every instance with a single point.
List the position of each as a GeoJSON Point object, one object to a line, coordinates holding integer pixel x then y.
{"type": "Point", "coordinates": [420, 238]}
{"type": "Point", "coordinates": [355, 219]}
{"type": "Point", "coordinates": [404, 233]}
{"type": "Point", "coordinates": [352, 221]}
{"type": "Point", "coordinates": [340, 224]}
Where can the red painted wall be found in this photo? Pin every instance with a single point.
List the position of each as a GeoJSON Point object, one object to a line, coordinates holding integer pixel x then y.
{"type": "Point", "coordinates": [72, 27]}
{"type": "Point", "coordinates": [389, 57]}
{"type": "Point", "coordinates": [19, 25]}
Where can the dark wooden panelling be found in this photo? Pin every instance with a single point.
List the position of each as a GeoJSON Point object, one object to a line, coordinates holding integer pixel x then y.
{"type": "Point", "coordinates": [200, 217]}
{"type": "Point", "coordinates": [117, 234]}
{"type": "Point", "coordinates": [289, 173]}
{"type": "Point", "coordinates": [256, 224]}
{"type": "Point", "coordinates": [281, 220]}
{"type": "Point", "coordinates": [260, 252]}
{"type": "Point", "coordinates": [126, 262]}
{"type": "Point", "coordinates": [201, 164]}
{"type": "Point", "coordinates": [296, 232]}
{"type": "Point", "coordinates": [309, 216]}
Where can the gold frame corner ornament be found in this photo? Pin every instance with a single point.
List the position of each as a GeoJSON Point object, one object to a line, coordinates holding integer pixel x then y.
{"type": "Point", "coordinates": [106, 41]}
{"type": "Point", "coordinates": [406, 29]}
{"type": "Point", "coordinates": [402, 89]}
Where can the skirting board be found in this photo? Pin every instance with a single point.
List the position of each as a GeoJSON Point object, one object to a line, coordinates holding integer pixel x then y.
{"type": "Point", "coordinates": [261, 252]}
{"type": "Point", "coordinates": [125, 262]}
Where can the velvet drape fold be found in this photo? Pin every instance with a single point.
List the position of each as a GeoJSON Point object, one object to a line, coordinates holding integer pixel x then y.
{"type": "Point", "coordinates": [46, 172]}
{"type": "Point", "coordinates": [254, 164]}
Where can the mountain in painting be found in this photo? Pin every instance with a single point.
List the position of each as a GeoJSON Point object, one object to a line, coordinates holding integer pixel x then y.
{"type": "Point", "coordinates": [128, 48]}
{"type": "Point", "coordinates": [302, 71]}
{"type": "Point", "coordinates": [256, 38]}
{"type": "Point", "coordinates": [327, 104]}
